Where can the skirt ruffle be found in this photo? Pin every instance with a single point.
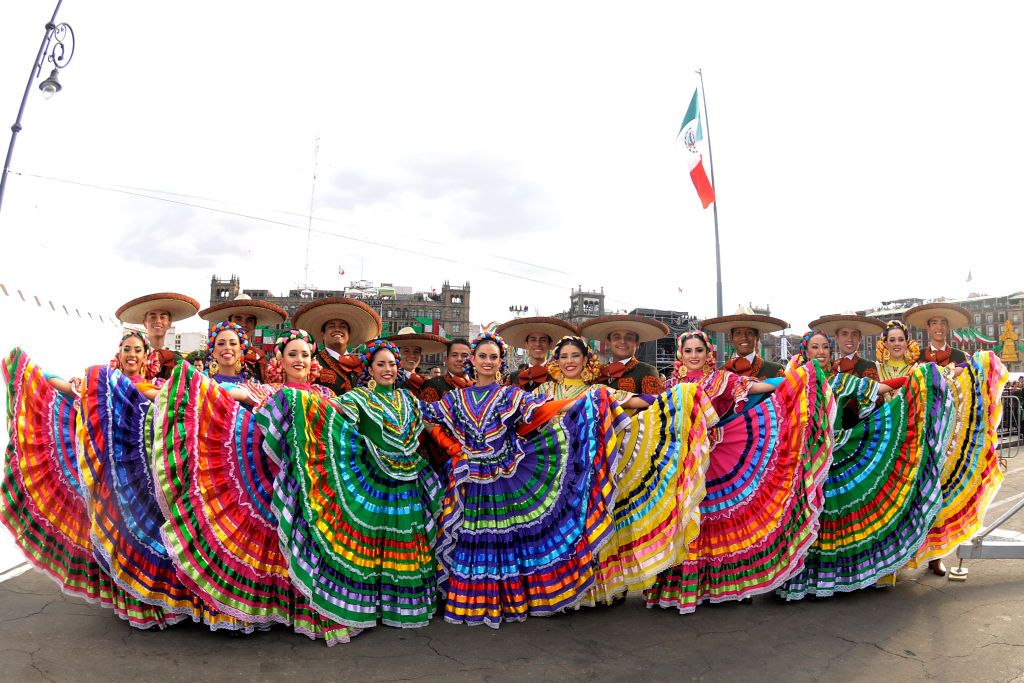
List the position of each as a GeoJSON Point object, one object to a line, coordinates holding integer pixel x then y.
{"type": "Point", "coordinates": [216, 489]}
{"type": "Point", "coordinates": [764, 497]}
{"type": "Point", "coordinates": [114, 433]}
{"type": "Point", "coordinates": [659, 486]}
{"type": "Point", "coordinates": [358, 539]}
{"type": "Point", "coordinates": [521, 537]}
{"type": "Point", "coordinates": [882, 492]}
{"type": "Point", "coordinates": [41, 500]}
{"type": "Point", "coordinates": [971, 476]}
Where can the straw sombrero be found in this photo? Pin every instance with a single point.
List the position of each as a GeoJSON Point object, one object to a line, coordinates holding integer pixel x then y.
{"type": "Point", "coordinates": [363, 322]}
{"type": "Point", "coordinates": [744, 317]}
{"type": "Point", "coordinates": [428, 343]}
{"type": "Point", "coordinates": [832, 323]}
{"type": "Point", "coordinates": [265, 312]}
{"type": "Point", "coordinates": [648, 329]}
{"type": "Point", "coordinates": [957, 316]}
{"type": "Point", "coordinates": [179, 306]}
{"type": "Point", "coordinates": [515, 332]}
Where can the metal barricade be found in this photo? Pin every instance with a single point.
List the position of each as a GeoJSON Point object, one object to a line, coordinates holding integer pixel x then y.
{"type": "Point", "coordinates": [993, 543]}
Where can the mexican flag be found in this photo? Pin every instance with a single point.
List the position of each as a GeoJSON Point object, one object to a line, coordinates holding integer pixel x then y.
{"type": "Point", "coordinates": [692, 133]}
{"type": "Point", "coordinates": [430, 326]}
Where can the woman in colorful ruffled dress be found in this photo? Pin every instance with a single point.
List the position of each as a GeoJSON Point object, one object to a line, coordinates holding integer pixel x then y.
{"type": "Point", "coordinates": [882, 490]}
{"type": "Point", "coordinates": [768, 461]}
{"type": "Point", "coordinates": [971, 475]}
{"type": "Point", "coordinates": [114, 438]}
{"type": "Point", "coordinates": [529, 500]}
{"type": "Point", "coordinates": [45, 502]}
{"type": "Point", "coordinates": [216, 488]}
{"type": "Point", "coordinates": [357, 505]}
{"type": "Point", "coordinates": [660, 478]}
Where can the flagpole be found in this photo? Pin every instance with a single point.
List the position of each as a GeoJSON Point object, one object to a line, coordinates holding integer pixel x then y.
{"type": "Point", "coordinates": [711, 163]}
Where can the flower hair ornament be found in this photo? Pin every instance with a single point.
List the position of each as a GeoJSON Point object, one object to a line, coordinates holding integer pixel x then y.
{"type": "Point", "coordinates": [275, 368]}
{"type": "Point", "coordinates": [709, 364]}
{"type": "Point", "coordinates": [243, 342]}
{"type": "Point", "coordinates": [591, 365]}
{"type": "Point", "coordinates": [486, 338]}
{"type": "Point", "coordinates": [150, 367]}
{"type": "Point", "coordinates": [913, 351]}
{"type": "Point", "coordinates": [372, 349]}
{"type": "Point", "coordinates": [806, 340]}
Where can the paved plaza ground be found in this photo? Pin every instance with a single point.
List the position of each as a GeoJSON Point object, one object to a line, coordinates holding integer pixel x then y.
{"type": "Point", "coordinates": [924, 628]}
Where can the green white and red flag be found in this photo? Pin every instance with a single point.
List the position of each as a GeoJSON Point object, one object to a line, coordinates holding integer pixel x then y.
{"type": "Point", "coordinates": [692, 133]}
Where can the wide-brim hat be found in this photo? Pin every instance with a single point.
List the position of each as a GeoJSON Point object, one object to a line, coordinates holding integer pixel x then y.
{"type": "Point", "coordinates": [764, 324]}
{"type": "Point", "coordinates": [265, 312]}
{"type": "Point", "coordinates": [957, 316]}
{"type": "Point", "coordinates": [832, 323]}
{"type": "Point", "coordinates": [648, 329]}
{"type": "Point", "coordinates": [179, 306]}
{"type": "Point", "coordinates": [428, 343]}
{"type": "Point", "coordinates": [363, 322]}
{"type": "Point", "coordinates": [515, 332]}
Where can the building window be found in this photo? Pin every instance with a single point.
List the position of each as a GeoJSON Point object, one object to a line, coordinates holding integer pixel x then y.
{"type": "Point", "coordinates": [456, 299]}
{"type": "Point", "coordinates": [977, 318]}
{"type": "Point", "coordinates": [455, 328]}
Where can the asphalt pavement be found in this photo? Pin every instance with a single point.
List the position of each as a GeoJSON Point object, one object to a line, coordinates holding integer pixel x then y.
{"type": "Point", "coordinates": [926, 627]}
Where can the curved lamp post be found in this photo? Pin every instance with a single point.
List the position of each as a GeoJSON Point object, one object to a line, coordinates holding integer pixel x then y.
{"type": "Point", "coordinates": [57, 48]}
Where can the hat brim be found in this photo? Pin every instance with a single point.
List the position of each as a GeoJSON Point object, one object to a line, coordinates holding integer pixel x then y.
{"type": "Point", "coordinates": [647, 329]}
{"type": "Point", "coordinates": [178, 306]}
{"type": "Point", "coordinates": [920, 315]}
{"type": "Point", "coordinates": [764, 324]}
{"type": "Point", "coordinates": [363, 322]}
{"type": "Point", "coordinates": [833, 323]}
{"type": "Point", "coordinates": [515, 332]}
{"type": "Point", "coordinates": [429, 344]}
{"type": "Point", "coordinates": [265, 312]}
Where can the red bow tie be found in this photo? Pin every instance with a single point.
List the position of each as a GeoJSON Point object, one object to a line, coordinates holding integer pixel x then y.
{"type": "Point", "coordinates": [613, 371]}
{"type": "Point", "coordinates": [848, 364]}
{"type": "Point", "coordinates": [937, 357]}
{"type": "Point", "coordinates": [534, 373]}
{"type": "Point", "coordinates": [415, 381]}
{"type": "Point", "coordinates": [457, 381]}
{"type": "Point", "coordinates": [739, 365]}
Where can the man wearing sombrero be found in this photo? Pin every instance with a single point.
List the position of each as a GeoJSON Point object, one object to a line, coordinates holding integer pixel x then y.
{"type": "Point", "coordinates": [455, 357]}
{"type": "Point", "coordinates": [413, 346]}
{"type": "Point", "coordinates": [744, 329]}
{"type": "Point", "coordinates": [848, 329]}
{"type": "Point", "coordinates": [247, 313]}
{"type": "Point", "coordinates": [157, 312]}
{"type": "Point", "coordinates": [939, 319]}
{"type": "Point", "coordinates": [623, 334]}
{"type": "Point", "coordinates": [339, 323]}
{"type": "Point", "coordinates": [536, 335]}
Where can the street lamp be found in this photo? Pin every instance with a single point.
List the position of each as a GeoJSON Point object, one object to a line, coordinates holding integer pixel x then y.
{"type": "Point", "coordinates": [518, 310]}
{"type": "Point", "coordinates": [57, 48]}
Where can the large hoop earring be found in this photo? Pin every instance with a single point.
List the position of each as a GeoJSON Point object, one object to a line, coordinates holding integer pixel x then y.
{"type": "Point", "coordinates": [213, 367]}
{"type": "Point", "coordinates": [497, 376]}
{"type": "Point", "coordinates": [371, 385]}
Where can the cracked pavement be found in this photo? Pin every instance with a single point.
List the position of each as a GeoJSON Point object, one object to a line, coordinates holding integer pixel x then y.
{"type": "Point", "coordinates": [925, 628]}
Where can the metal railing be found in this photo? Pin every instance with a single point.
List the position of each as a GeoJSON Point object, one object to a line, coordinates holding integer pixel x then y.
{"type": "Point", "coordinates": [1010, 435]}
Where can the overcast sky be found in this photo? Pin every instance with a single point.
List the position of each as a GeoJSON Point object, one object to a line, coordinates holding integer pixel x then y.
{"type": "Point", "coordinates": [861, 152]}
